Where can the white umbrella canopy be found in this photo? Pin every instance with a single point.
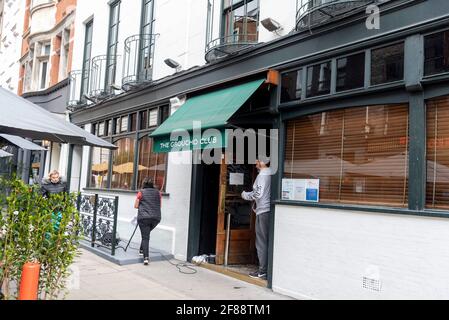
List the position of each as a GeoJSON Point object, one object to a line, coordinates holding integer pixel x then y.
{"type": "Point", "coordinates": [4, 154]}
{"type": "Point", "coordinates": [22, 118]}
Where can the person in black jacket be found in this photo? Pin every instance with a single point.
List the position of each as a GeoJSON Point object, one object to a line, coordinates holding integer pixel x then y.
{"type": "Point", "coordinates": [53, 184]}
{"type": "Point", "coordinates": [148, 203]}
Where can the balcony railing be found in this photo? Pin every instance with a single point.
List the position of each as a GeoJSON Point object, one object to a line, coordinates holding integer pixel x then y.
{"type": "Point", "coordinates": [311, 13]}
{"type": "Point", "coordinates": [138, 60]}
{"type": "Point", "coordinates": [102, 76]}
{"type": "Point", "coordinates": [77, 89]}
{"type": "Point", "coordinates": [227, 45]}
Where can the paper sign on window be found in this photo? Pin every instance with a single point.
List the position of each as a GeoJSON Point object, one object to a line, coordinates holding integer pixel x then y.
{"type": "Point", "coordinates": [301, 189]}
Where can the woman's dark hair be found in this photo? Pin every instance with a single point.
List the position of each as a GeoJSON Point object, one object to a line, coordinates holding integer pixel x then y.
{"type": "Point", "coordinates": [147, 183]}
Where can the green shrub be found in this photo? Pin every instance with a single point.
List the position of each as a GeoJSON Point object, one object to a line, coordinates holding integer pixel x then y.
{"type": "Point", "coordinates": [37, 229]}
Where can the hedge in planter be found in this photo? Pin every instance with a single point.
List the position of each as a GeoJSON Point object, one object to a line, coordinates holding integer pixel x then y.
{"type": "Point", "coordinates": [37, 229]}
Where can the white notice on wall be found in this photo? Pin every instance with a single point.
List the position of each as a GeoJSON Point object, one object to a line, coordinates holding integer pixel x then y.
{"type": "Point", "coordinates": [301, 189]}
{"type": "Point", "coordinates": [236, 179]}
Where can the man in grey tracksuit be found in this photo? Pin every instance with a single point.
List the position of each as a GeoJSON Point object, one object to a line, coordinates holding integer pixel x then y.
{"type": "Point", "coordinates": [261, 195]}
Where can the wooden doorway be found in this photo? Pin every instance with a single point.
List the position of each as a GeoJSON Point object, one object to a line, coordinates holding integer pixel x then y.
{"type": "Point", "coordinates": [241, 247]}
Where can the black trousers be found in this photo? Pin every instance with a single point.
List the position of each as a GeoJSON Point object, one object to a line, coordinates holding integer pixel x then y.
{"type": "Point", "coordinates": [146, 226]}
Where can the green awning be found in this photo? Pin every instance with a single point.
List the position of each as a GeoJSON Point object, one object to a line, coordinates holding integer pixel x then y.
{"type": "Point", "coordinates": [212, 109]}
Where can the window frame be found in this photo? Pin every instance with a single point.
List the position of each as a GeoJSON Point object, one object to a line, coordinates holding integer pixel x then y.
{"type": "Point", "coordinates": [111, 136]}
{"type": "Point", "coordinates": [424, 35]}
{"type": "Point", "coordinates": [111, 63]}
{"type": "Point", "coordinates": [87, 58]}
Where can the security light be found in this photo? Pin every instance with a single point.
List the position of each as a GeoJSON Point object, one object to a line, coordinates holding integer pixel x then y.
{"type": "Point", "coordinates": [172, 64]}
{"type": "Point", "coordinates": [115, 87]}
{"type": "Point", "coordinates": [85, 96]}
{"type": "Point", "coordinates": [271, 25]}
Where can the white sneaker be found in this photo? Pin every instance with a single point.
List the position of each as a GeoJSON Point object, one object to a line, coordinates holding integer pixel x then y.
{"type": "Point", "coordinates": [146, 261]}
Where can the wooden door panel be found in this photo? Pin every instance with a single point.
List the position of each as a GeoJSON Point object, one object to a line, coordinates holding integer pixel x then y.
{"type": "Point", "coordinates": [242, 240]}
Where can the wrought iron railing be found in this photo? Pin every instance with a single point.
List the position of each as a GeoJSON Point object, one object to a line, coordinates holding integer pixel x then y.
{"type": "Point", "coordinates": [99, 220]}
{"type": "Point", "coordinates": [227, 45]}
{"type": "Point", "coordinates": [77, 88]}
{"type": "Point", "coordinates": [138, 60]}
{"type": "Point", "coordinates": [102, 76]}
{"type": "Point", "coordinates": [310, 13]}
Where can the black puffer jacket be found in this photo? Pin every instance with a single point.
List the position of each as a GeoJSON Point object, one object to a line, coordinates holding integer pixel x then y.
{"type": "Point", "coordinates": [47, 187]}
{"type": "Point", "coordinates": [150, 204]}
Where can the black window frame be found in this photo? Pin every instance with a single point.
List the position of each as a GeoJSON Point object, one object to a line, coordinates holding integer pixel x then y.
{"type": "Point", "coordinates": [113, 136]}
{"type": "Point", "coordinates": [384, 46]}
{"type": "Point", "coordinates": [87, 57]}
{"type": "Point", "coordinates": [112, 47]}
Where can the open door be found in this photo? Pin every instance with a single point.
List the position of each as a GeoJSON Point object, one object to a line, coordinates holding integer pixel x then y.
{"type": "Point", "coordinates": [238, 213]}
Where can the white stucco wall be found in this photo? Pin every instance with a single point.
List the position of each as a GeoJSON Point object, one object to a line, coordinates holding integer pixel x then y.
{"type": "Point", "coordinates": [324, 254]}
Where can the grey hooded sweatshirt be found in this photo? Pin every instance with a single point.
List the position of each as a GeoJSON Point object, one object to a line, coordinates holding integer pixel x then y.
{"type": "Point", "coordinates": [261, 193]}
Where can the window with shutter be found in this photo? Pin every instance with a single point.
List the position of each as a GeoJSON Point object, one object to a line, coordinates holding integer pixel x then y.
{"type": "Point", "coordinates": [438, 153]}
{"type": "Point", "coordinates": [360, 155]}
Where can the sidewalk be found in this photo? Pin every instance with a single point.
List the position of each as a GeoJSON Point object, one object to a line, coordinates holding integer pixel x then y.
{"type": "Point", "coordinates": [102, 280]}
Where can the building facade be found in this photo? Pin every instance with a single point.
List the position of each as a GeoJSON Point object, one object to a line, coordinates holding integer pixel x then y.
{"type": "Point", "coordinates": [359, 101]}
{"type": "Point", "coordinates": [45, 64]}
{"type": "Point", "coordinates": [11, 23]}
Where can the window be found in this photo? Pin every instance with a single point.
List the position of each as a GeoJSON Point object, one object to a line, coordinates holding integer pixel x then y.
{"type": "Point", "coordinates": [101, 129]}
{"type": "Point", "coordinates": [209, 22]}
{"type": "Point", "coordinates": [128, 168]}
{"type": "Point", "coordinates": [438, 153]}
{"type": "Point", "coordinates": [164, 114]}
{"type": "Point", "coordinates": [43, 79]}
{"type": "Point", "coordinates": [351, 72]}
{"type": "Point", "coordinates": [436, 53]}
{"type": "Point", "coordinates": [143, 120]}
{"type": "Point", "coordinates": [153, 118]}
{"type": "Point", "coordinates": [99, 168]}
{"type": "Point", "coordinates": [111, 64]}
{"type": "Point", "coordinates": [241, 21]}
{"type": "Point", "coordinates": [133, 122]}
{"type": "Point", "coordinates": [291, 86]}
{"type": "Point", "coordinates": [87, 59]}
{"type": "Point", "coordinates": [124, 124]}
{"type": "Point", "coordinates": [360, 155]}
{"type": "Point", "coordinates": [151, 164]}
{"type": "Point", "coordinates": [319, 79]}
{"type": "Point", "coordinates": [387, 64]}
{"type": "Point", "coordinates": [123, 164]}
{"type": "Point", "coordinates": [146, 47]}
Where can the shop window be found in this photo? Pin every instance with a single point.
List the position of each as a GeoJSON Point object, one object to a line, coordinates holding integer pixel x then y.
{"type": "Point", "coordinates": [164, 114]}
{"type": "Point", "coordinates": [133, 122]}
{"type": "Point", "coordinates": [351, 72]}
{"type": "Point", "coordinates": [291, 86]}
{"type": "Point", "coordinates": [387, 64]}
{"type": "Point", "coordinates": [101, 129]}
{"type": "Point", "coordinates": [124, 124]}
{"type": "Point", "coordinates": [438, 153]}
{"type": "Point", "coordinates": [359, 155]}
{"type": "Point", "coordinates": [143, 120]}
{"type": "Point", "coordinates": [436, 53]}
{"type": "Point", "coordinates": [319, 79]}
{"type": "Point", "coordinates": [123, 164]}
{"type": "Point", "coordinates": [153, 118]}
{"type": "Point", "coordinates": [151, 164]}
{"type": "Point", "coordinates": [99, 169]}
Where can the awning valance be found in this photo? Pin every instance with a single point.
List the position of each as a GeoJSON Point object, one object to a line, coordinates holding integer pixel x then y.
{"type": "Point", "coordinates": [211, 110]}
{"type": "Point", "coordinates": [22, 143]}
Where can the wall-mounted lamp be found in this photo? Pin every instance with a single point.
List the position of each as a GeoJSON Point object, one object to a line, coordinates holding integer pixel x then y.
{"type": "Point", "coordinates": [45, 143]}
{"type": "Point", "coordinates": [271, 25]}
{"type": "Point", "coordinates": [173, 64]}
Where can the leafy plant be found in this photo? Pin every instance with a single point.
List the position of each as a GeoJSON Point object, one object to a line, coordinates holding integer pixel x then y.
{"type": "Point", "coordinates": [37, 229]}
